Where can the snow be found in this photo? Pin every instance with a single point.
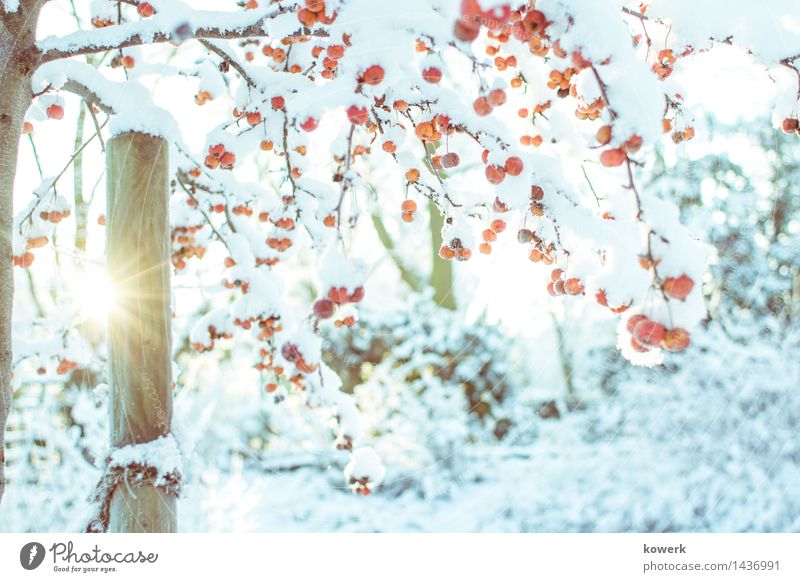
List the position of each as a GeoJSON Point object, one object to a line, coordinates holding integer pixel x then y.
{"type": "Point", "coordinates": [424, 416]}
{"type": "Point", "coordinates": [715, 454]}
{"type": "Point", "coordinates": [148, 120]}
{"type": "Point", "coordinates": [365, 465]}
{"type": "Point", "coordinates": [170, 21]}
{"type": "Point", "coordinates": [162, 454]}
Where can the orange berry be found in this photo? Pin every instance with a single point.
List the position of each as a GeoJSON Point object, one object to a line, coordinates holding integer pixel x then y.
{"type": "Point", "coordinates": [482, 106]}
{"type": "Point", "coordinates": [612, 158]}
{"type": "Point", "coordinates": [432, 75]}
{"type": "Point", "coordinates": [604, 135]}
{"type": "Point", "coordinates": [55, 111]}
{"type": "Point", "coordinates": [513, 166]}
{"type": "Point", "coordinates": [372, 75]}
{"type": "Point", "coordinates": [495, 174]}
{"type": "Point", "coordinates": [498, 225]}
{"type": "Point", "coordinates": [409, 206]}
{"type": "Point", "coordinates": [497, 97]}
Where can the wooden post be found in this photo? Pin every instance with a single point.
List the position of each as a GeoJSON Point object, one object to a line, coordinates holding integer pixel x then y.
{"type": "Point", "coordinates": [139, 334]}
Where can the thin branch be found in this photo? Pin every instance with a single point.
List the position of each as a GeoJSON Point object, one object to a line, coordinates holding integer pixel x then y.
{"type": "Point", "coordinates": [36, 156]}
{"type": "Point", "coordinates": [200, 209]}
{"type": "Point", "coordinates": [78, 152]}
{"type": "Point", "coordinates": [228, 59]}
{"type": "Point", "coordinates": [588, 181]}
{"type": "Point", "coordinates": [96, 125]}
{"type": "Point", "coordinates": [137, 33]}
{"type": "Point", "coordinates": [88, 95]}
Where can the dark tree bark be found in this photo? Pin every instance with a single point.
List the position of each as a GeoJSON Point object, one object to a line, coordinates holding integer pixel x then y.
{"type": "Point", "coordinates": [17, 35]}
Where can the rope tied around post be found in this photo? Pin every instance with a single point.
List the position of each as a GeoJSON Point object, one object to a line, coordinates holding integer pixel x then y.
{"type": "Point", "coordinates": [156, 463]}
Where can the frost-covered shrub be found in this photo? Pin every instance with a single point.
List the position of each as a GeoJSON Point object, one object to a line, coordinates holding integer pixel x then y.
{"type": "Point", "coordinates": [741, 193]}
{"type": "Point", "coordinates": [56, 442]}
{"type": "Point", "coordinates": [427, 382]}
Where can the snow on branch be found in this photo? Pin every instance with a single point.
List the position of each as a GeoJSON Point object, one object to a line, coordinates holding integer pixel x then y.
{"type": "Point", "coordinates": [174, 23]}
{"type": "Point", "coordinates": [129, 101]}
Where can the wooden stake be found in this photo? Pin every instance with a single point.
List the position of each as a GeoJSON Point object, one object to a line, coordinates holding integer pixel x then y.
{"type": "Point", "coordinates": [140, 354]}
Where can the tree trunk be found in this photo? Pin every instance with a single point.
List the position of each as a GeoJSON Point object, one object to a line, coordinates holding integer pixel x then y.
{"type": "Point", "coordinates": [442, 271]}
{"type": "Point", "coordinates": [139, 326]}
{"type": "Point", "coordinates": [81, 206]}
{"type": "Point", "coordinates": [17, 33]}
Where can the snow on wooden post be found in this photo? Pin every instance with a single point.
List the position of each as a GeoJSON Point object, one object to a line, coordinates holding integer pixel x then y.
{"type": "Point", "coordinates": [139, 326]}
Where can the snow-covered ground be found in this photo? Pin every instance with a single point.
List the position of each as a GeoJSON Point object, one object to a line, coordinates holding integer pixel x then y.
{"type": "Point", "coordinates": [712, 446]}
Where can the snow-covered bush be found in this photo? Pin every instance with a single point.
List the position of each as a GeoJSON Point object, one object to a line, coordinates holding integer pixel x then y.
{"type": "Point", "coordinates": [740, 192]}
{"type": "Point", "coordinates": [428, 383]}
{"type": "Point", "coordinates": [56, 444]}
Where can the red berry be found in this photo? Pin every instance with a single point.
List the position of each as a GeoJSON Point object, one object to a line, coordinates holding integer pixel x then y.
{"type": "Point", "coordinates": [482, 106]}
{"type": "Point", "coordinates": [335, 51]}
{"type": "Point", "coordinates": [649, 333]}
{"type": "Point", "coordinates": [323, 308]}
{"type": "Point", "coordinates": [55, 111]}
{"type": "Point", "coordinates": [612, 158]}
{"type": "Point", "coordinates": [676, 340]}
{"type": "Point", "coordinates": [373, 75]}
{"type": "Point", "coordinates": [634, 319]}
{"type": "Point", "coordinates": [534, 21]}
{"type": "Point", "coordinates": [497, 97]}
{"type": "Point", "coordinates": [573, 286]}
{"type": "Point", "coordinates": [432, 75]}
{"type": "Point", "coordinates": [495, 174]}
{"type": "Point", "coordinates": [357, 115]}
{"type": "Point", "coordinates": [145, 10]}
{"type": "Point", "coordinates": [790, 125]}
{"type": "Point", "coordinates": [278, 102]}
{"type": "Point", "coordinates": [498, 226]}
{"type": "Point", "coordinates": [604, 135]}
{"type": "Point", "coordinates": [409, 206]}
{"type": "Point", "coordinates": [338, 295]}
{"type": "Point", "coordinates": [450, 160]}
{"type": "Point", "coordinates": [678, 288]}
{"type": "Point", "coordinates": [227, 160]}
{"type": "Point", "coordinates": [310, 124]}
{"type": "Point", "coordinates": [357, 295]}
{"type": "Point", "coordinates": [466, 31]}
{"type": "Point", "coordinates": [513, 166]}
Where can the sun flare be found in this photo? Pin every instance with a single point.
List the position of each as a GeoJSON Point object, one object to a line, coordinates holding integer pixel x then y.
{"type": "Point", "coordinates": [94, 294]}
